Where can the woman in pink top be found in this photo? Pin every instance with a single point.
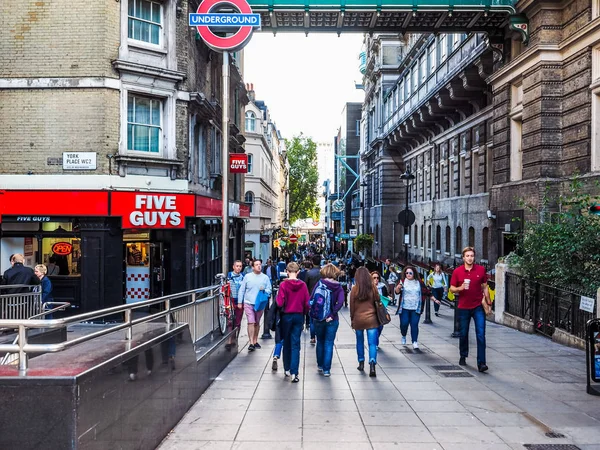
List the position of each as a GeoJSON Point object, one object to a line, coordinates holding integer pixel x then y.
{"type": "Point", "coordinates": [293, 300]}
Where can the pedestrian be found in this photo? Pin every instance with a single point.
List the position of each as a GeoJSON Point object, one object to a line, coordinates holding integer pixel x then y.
{"type": "Point", "coordinates": [413, 294]}
{"type": "Point", "coordinates": [293, 299]}
{"type": "Point", "coordinates": [53, 269]}
{"type": "Point", "coordinates": [235, 278]}
{"type": "Point", "coordinates": [19, 274]}
{"type": "Point", "coordinates": [438, 281]}
{"type": "Point", "coordinates": [325, 330]}
{"type": "Point", "coordinates": [382, 290]}
{"type": "Point", "coordinates": [392, 280]}
{"type": "Point", "coordinates": [363, 317]}
{"type": "Point", "coordinates": [306, 266]}
{"type": "Point", "coordinates": [312, 278]}
{"type": "Point", "coordinates": [343, 279]}
{"type": "Point", "coordinates": [469, 281]}
{"type": "Point", "coordinates": [253, 283]}
{"type": "Point", "coordinates": [248, 266]}
{"type": "Point", "coordinates": [270, 270]}
{"type": "Point", "coordinates": [40, 271]}
{"type": "Point", "coordinates": [274, 321]}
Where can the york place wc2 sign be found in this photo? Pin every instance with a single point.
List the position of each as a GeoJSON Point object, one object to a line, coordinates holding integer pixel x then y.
{"type": "Point", "coordinates": [79, 161]}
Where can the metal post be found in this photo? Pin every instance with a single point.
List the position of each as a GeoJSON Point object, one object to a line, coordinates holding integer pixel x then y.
{"type": "Point", "coordinates": [23, 362]}
{"type": "Point", "coordinates": [168, 309]}
{"type": "Point", "coordinates": [406, 230]}
{"type": "Point", "coordinates": [456, 331]}
{"type": "Point", "coordinates": [194, 318]}
{"type": "Point", "coordinates": [225, 164]}
{"type": "Point", "coordinates": [428, 310]}
{"type": "Point", "coordinates": [129, 335]}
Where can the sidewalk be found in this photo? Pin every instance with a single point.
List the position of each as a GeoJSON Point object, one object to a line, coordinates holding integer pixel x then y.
{"type": "Point", "coordinates": [419, 401]}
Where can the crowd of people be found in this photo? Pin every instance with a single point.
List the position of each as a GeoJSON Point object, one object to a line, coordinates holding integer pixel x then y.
{"type": "Point", "coordinates": [312, 290]}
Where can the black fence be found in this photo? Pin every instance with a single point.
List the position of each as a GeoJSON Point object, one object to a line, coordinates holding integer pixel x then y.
{"type": "Point", "coordinates": [547, 307]}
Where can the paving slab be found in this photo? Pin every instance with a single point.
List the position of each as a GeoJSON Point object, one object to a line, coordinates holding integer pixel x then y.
{"type": "Point", "coordinates": [418, 401]}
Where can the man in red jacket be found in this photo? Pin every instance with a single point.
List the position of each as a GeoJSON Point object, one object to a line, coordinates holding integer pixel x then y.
{"type": "Point", "coordinates": [292, 298]}
{"type": "Point", "coordinates": [469, 281]}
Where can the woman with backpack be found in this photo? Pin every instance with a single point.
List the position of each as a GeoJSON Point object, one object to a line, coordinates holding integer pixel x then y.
{"type": "Point", "coordinates": [363, 316]}
{"type": "Point", "coordinates": [413, 295]}
{"type": "Point", "coordinates": [292, 299]}
{"type": "Point", "coordinates": [326, 300]}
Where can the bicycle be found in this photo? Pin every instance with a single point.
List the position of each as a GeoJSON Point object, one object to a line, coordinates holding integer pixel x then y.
{"type": "Point", "coordinates": [226, 307]}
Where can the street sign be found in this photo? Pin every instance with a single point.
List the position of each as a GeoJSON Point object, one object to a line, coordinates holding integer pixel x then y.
{"type": "Point", "coordinates": [595, 209]}
{"type": "Point", "coordinates": [402, 217]}
{"type": "Point", "coordinates": [276, 243]}
{"type": "Point", "coordinates": [241, 24]}
{"type": "Point", "coordinates": [344, 236]}
{"type": "Point", "coordinates": [353, 233]}
{"type": "Point", "coordinates": [339, 206]}
{"type": "Point", "coordinates": [293, 238]}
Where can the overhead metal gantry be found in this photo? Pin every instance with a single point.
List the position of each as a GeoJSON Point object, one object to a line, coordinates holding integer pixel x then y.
{"type": "Point", "coordinates": [380, 16]}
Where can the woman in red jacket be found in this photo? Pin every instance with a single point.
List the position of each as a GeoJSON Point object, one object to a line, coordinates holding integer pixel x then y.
{"type": "Point", "coordinates": [292, 298]}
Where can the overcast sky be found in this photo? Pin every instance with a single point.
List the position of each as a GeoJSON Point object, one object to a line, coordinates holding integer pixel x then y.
{"type": "Point", "coordinates": [305, 81]}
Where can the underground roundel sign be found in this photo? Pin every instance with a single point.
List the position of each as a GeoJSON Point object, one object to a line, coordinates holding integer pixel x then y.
{"type": "Point", "coordinates": [225, 25]}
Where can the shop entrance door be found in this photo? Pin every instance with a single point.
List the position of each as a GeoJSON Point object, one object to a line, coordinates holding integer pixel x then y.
{"type": "Point", "coordinates": [137, 271]}
{"type": "Point", "coordinates": [159, 267]}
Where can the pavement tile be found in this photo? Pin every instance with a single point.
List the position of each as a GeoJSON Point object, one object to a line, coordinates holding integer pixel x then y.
{"type": "Point", "coordinates": [526, 435]}
{"type": "Point", "coordinates": [436, 406]}
{"type": "Point", "coordinates": [446, 419]}
{"type": "Point", "coordinates": [387, 418]}
{"type": "Point", "coordinates": [406, 446]}
{"type": "Point", "coordinates": [383, 406]}
{"type": "Point", "coordinates": [399, 434]}
{"type": "Point", "coordinates": [204, 432]}
{"type": "Point", "coordinates": [270, 405]}
{"type": "Point", "coordinates": [176, 444]}
{"type": "Point", "coordinates": [334, 433]}
{"type": "Point", "coordinates": [265, 445]}
{"type": "Point", "coordinates": [325, 417]}
{"type": "Point", "coordinates": [466, 434]}
{"type": "Point", "coordinates": [329, 405]}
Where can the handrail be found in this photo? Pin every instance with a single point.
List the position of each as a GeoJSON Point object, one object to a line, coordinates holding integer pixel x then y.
{"type": "Point", "coordinates": [23, 347]}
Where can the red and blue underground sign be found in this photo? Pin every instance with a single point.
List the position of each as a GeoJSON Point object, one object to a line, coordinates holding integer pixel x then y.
{"type": "Point", "coordinates": [225, 31]}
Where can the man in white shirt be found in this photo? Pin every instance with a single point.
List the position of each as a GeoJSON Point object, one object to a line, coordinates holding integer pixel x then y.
{"type": "Point", "coordinates": [252, 284]}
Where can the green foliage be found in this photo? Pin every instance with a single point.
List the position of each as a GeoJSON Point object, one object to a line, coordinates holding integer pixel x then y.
{"type": "Point", "coordinates": [363, 242]}
{"type": "Point", "coordinates": [562, 248]}
{"type": "Point", "coordinates": [304, 177]}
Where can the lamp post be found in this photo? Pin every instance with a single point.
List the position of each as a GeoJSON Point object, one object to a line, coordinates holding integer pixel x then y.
{"type": "Point", "coordinates": [406, 176]}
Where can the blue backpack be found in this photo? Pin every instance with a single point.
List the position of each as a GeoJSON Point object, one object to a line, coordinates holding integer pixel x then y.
{"type": "Point", "coordinates": [320, 303]}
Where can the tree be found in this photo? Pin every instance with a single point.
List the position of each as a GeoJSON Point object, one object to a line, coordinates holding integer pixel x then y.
{"type": "Point", "coordinates": [363, 242]}
{"type": "Point", "coordinates": [562, 248]}
{"type": "Point", "coordinates": [304, 177]}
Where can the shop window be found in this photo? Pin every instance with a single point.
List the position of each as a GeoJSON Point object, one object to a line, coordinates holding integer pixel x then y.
{"type": "Point", "coordinates": [145, 21]}
{"type": "Point", "coordinates": [448, 240]}
{"type": "Point", "coordinates": [62, 255]}
{"type": "Point", "coordinates": [459, 244]}
{"type": "Point", "coordinates": [144, 123]}
{"type": "Point", "coordinates": [471, 237]}
{"type": "Point", "coordinates": [250, 122]}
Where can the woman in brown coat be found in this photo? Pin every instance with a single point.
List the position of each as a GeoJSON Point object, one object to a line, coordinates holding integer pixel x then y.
{"type": "Point", "coordinates": [363, 315]}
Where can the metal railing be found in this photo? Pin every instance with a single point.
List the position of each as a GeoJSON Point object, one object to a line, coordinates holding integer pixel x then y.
{"type": "Point", "coordinates": [20, 301]}
{"type": "Point", "coordinates": [547, 307]}
{"type": "Point", "coordinates": [199, 311]}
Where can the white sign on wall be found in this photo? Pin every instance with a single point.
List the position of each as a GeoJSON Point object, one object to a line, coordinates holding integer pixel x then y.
{"type": "Point", "coordinates": [353, 232]}
{"type": "Point", "coordinates": [587, 304]}
{"type": "Point", "coordinates": [79, 161]}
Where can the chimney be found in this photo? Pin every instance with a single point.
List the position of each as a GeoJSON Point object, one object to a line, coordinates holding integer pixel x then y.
{"type": "Point", "coordinates": [250, 89]}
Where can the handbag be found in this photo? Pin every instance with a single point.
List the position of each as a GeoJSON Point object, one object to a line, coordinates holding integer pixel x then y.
{"type": "Point", "coordinates": [262, 299]}
{"type": "Point", "coordinates": [383, 316]}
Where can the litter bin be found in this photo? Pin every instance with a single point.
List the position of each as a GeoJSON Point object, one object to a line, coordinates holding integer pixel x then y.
{"type": "Point", "coordinates": [593, 357]}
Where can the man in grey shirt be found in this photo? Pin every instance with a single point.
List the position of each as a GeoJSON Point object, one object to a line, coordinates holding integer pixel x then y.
{"type": "Point", "coordinates": [252, 284]}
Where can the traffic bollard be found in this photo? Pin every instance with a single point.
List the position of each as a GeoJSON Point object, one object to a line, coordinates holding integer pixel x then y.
{"type": "Point", "coordinates": [456, 332]}
{"type": "Point", "coordinates": [428, 311]}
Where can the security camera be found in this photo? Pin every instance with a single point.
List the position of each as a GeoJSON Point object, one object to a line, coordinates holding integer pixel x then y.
{"type": "Point", "coordinates": [490, 215]}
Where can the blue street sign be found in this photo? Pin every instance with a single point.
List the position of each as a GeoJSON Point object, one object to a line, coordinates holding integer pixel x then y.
{"type": "Point", "coordinates": [344, 236]}
{"type": "Point", "coordinates": [225, 20]}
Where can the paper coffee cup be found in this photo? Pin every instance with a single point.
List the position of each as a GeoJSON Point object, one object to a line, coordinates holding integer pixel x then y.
{"type": "Point", "coordinates": [467, 283]}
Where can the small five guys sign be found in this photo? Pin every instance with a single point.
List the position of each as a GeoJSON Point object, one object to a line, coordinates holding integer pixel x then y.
{"type": "Point", "coordinates": [238, 163]}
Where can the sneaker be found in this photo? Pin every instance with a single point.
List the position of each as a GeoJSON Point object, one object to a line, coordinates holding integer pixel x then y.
{"type": "Point", "coordinates": [320, 369]}
{"type": "Point", "coordinates": [251, 348]}
{"type": "Point", "coordinates": [482, 367]}
{"type": "Point", "coordinates": [326, 374]}
{"type": "Point", "coordinates": [462, 361]}
{"type": "Point", "coordinates": [416, 345]}
{"type": "Point", "coordinates": [437, 314]}
{"type": "Point", "coordinates": [132, 377]}
{"type": "Point", "coordinates": [295, 379]}
{"type": "Point", "coordinates": [287, 373]}
{"type": "Point", "coordinates": [313, 341]}
{"type": "Point", "coordinates": [403, 340]}
{"type": "Point", "coordinates": [274, 366]}
{"type": "Point", "coordinates": [257, 345]}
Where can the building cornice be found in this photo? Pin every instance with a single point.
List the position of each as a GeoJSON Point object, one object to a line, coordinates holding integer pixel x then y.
{"type": "Point", "coordinates": [151, 71]}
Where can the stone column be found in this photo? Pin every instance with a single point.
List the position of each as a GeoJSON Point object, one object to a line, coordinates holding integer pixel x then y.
{"type": "Point", "coordinates": [500, 300]}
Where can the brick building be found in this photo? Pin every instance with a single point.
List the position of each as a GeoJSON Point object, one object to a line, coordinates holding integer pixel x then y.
{"type": "Point", "coordinates": [110, 135]}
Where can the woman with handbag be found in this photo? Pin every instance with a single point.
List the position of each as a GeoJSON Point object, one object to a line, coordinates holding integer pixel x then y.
{"type": "Point", "coordinates": [363, 317]}
{"type": "Point", "coordinates": [413, 294]}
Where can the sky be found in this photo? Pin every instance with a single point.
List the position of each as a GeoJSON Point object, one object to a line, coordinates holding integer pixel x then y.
{"type": "Point", "coordinates": [305, 81]}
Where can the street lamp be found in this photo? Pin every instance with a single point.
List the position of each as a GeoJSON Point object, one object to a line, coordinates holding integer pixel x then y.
{"type": "Point", "coordinates": [406, 176]}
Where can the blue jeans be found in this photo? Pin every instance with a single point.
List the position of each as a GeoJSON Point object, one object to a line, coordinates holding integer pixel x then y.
{"type": "Point", "coordinates": [325, 332]}
{"type": "Point", "coordinates": [278, 347]}
{"type": "Point", "coordinates": [438, 293]}
{"type": "Point", "coordinates": [291, 329]}
{"type": "Point", "coordinates": [379, 331]}
{"type": "Point", "coordinates": [464, 319]}
{"type": "Point", "coordinates": [410, 317]}
{"type": "Point", "coordinates": [372, 338]}
{"type": "Point", "coordinates": [312, 328]}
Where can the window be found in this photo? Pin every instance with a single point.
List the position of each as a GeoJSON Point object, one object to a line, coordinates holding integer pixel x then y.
{"type": "Point", "coordinates": [215, 160]}
{"type": "Point", "coordinates": [471, 237]}
{"type": "Point", "coordinates": [416, 234]}
{"type": "Point", "coordinates": [200, 144]}
{"type": "Point", "coordinates": [429, 236]}
{"type": "Point", "coordinates": [145, 21]}
{"type": "Point", "coordinates": [438, 239]}
{"type": "Point", "coordinates": [250, 158]}
{"type": "Point", "coordinates": [407, 85]}
{"type": "Point", "coordinates": [423, 68]}
{"type": "Point", "coordinates": [456, 38]}
{"type": "Point", "coordinates": [401, 93]}
{"type": "Point", "coordinates": [250, 121]}
{"type": "Point", "coordinates": [249, 199]}
{"type": "Point", "coordinates": [144, 124]}
{"type": "Point", "coordinates": [595, 8]}
{"type": "Point", "coordinates": [358, 127]}
{"type": "Point", "coordinates": [422, 236]}
{"type": "Point", "coordinates": [448, 239]}
{"type": "Point", "coordinates": [415, 78]}
{"type": "Point", "coordinates": [443, 47]}
{"type": "Point", "coordinates": [459, 245]}
{"type": "Point", "coordinates": [431, 53]}
{"type": "Point", "coordinates": [485, 237]}
{"type": "Point", "coordinates": [516, 133]}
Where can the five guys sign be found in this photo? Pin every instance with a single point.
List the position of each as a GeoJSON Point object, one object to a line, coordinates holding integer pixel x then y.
{"type": "Point", "coordinates": [238, 163]}
{"type": "Point", "coordinates": [152, 210]}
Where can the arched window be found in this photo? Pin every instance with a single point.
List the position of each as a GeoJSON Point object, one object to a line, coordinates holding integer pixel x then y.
{"type": "Point", "coordinates": [485, 238]}
{"type": "Point", "coordinates": [416, 235]}
{"type": "Point", "coordinates": [448, 239]}
{"type": "Point", "coordinates": [438, 239]}
{"type": "Point", "coordinates": [250, 121]}
{"type": "Point", "coordinates": [471, 237]}
{"type": "Point", "coordinates": [459, 245]}
{"type": "Point", "coordinates": [249, 199]}
{"type": "Point", "coordinates": [250, 159]}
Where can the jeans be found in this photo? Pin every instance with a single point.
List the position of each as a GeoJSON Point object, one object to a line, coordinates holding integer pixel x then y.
{"type": "Point", "coordinates": [325, 332]}
{"type": "Point", "coordinates": [379, 331]}
{"type": "Point", "coordinates": [464, 319]}
{"type": "Point", "coordinates": [372, 338]}
{"type": "Point", "coordinates": [278, 347]}
{"type": "Point", "coordinates": [410, 317]}
{"type": "Point", "coordinates": [291, 329]}
{"type": "Point", "coordinates": [312, 328]}
{"type": "Point", "coordinates": [438, 293]}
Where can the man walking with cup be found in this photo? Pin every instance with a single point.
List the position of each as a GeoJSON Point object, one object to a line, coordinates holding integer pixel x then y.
{"type": "Point", "coordinates": [469, 281]}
